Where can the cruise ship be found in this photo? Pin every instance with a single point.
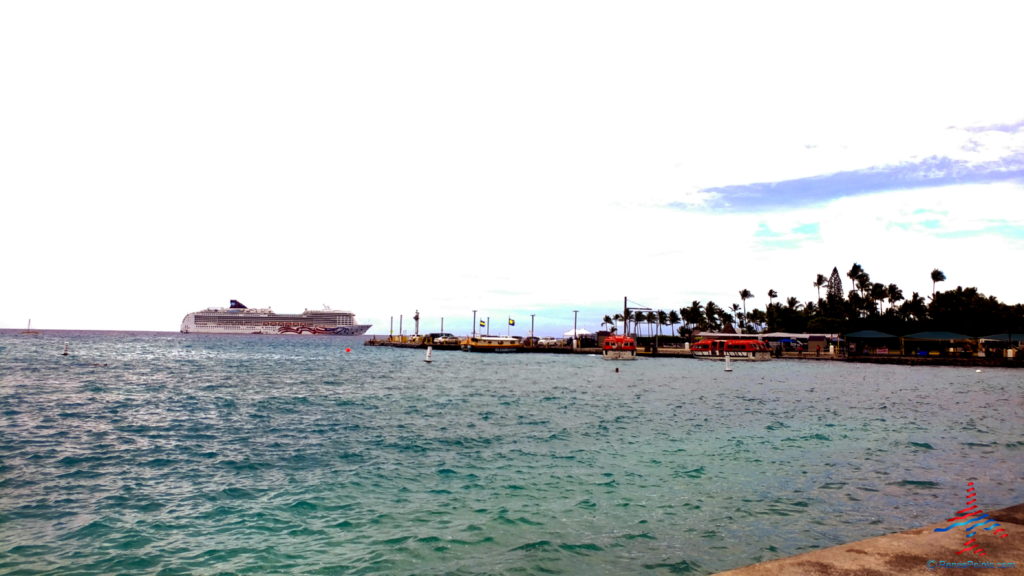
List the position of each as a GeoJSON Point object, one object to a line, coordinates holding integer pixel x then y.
{"type": "Point", "coordinates": [240, 319]}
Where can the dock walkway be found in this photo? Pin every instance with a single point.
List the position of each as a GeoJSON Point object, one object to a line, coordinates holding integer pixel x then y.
{"type": "Point", "coordinates": [919, 551]}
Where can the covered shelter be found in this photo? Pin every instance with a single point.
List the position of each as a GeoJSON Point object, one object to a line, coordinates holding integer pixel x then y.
{"type": "Point", "coordinates": [1007, 337]}
{"type": "Point", "coordinates": [937, 344]}
{"type": "Point", "coordinates": [873, 342]}
{"type": "Point", "coordinates": [581, 337]}
{"type": "Point", "coordinates": [1008, 344]}
{"type": "Point", "coordinates": [801, 341]}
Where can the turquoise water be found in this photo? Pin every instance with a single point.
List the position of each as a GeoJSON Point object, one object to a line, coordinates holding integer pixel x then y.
{"type": "Point", "coordinates": [175, 454]}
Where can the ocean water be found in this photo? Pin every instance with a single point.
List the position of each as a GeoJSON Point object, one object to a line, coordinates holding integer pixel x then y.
{"type": "Point", "coordinates": [190, 454]}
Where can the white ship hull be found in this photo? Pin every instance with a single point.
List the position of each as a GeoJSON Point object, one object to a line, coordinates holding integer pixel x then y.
{"type": "Point", "coordinates": [239, 319]}
{"type": "Point", "coordinates": [619, 354]}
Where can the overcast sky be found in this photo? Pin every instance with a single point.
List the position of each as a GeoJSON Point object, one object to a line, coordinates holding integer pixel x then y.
{"type": "Point", "coordinates": [514, 158]}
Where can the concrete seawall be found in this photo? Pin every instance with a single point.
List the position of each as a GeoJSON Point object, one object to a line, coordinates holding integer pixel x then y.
{"type": "Point", "coordinates": [918, 551]}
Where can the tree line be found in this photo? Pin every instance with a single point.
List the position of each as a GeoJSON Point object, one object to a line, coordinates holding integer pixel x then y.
{"type": "Point", "coordinates": [868, 305]}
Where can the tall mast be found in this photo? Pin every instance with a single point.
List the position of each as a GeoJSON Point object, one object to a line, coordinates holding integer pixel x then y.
{"type": "Point", "coordinates": [625, 316]}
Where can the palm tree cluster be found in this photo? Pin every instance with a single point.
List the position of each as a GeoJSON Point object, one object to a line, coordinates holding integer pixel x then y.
{"type": "Point", "coordinates": [868, 305]}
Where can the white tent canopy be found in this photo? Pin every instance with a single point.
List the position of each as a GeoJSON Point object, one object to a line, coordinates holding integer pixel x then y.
{"type": "Point", "coordinates": [577, 332]}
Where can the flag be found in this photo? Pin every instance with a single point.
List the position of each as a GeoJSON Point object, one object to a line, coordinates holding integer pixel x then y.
{"type": "Point", "coordinates": [482, 324]}
{"type": "Point", "coordinates": [511, 322]}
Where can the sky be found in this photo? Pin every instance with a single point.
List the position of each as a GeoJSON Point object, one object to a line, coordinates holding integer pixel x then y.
{"type": "Point", "coordinates": [513, 158]}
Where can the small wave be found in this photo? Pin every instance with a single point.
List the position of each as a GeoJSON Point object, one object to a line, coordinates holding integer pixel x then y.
{"type": "Point", "coordinates": [924, 445]}
{"type": "Point", "coordinates": [916, 483]}
{"type": "Point", "coordinates": [697, 472]}
{"type": "Point", "coordinates": [681, 567]}
{"type": "Point", "coordinates": [531, 546]}
{"type": "Point", "coordinates": [580, 548]}
{"type": "Point", "coordinates": [303, 506]}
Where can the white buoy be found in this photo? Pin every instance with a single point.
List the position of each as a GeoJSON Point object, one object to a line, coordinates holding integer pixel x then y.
{"type": "Point", "coordinates": [427, 358]}
{"type": "Point", "coordinates": [66, 344]}
{"type": "Point", "coordinates": [728, 364]}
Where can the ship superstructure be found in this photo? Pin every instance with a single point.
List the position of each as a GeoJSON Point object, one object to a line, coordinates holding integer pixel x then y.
{"type": "Point", "coordinates": [240, 319]}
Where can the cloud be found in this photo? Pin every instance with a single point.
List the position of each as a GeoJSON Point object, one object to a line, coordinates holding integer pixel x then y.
{"type": "Point", "coordinates": [1010, 128]}
{"type": "Point", "coordinates": [853, 163]}
{"type": "Point", "coordinates": [794, 237]}
{"type": "Point", "coordinates": [931, 172]}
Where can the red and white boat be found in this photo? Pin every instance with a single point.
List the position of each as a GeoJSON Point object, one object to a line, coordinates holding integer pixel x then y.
{"type": "Point", "coordinates": [618, 347]}
{"type": "Point", "coordinates": [734, 349]}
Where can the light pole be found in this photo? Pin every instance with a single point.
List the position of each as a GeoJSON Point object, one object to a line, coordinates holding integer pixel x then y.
{"type": "Point", "coordinates": [531, 325]}
{"type": "Point", "coordinates": [474, 323]}
{"type": "Point", "coordinates": [575, 336]}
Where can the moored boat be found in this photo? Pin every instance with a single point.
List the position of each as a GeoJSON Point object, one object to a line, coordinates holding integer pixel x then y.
{"type": "Point", "coordinates": [733, 349]}
{"type": "Point", "coordinates": [492, 344]}
{"type": "Point", "coordinates": [618, 347]}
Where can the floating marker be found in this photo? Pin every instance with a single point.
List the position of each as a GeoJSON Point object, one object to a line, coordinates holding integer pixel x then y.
{"type": "Point", "coordinates": [66, 344]}
{"type": "Point", "coordinates": [348, 349]}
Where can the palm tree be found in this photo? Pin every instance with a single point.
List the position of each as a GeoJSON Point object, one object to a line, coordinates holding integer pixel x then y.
{"type": "Point", "coordinates": [673, 319]}
{"type": "Point", "coordinates": [772, 295]}
{"type": "Point", "coordinates": [713, 314]}
{"type": "Point", "coordinates": [878, 293]}
{"type": "Point", "coordinates": [607, 321]}
{"type": "Point", "coordinates": [895, 295]}
{"type": "Point", "coordinates": [860, 278]}
{"type": "Point", "coordinates": [819, 282]}
{"type": "Point", "coordinates": [758, 318]}
{"type": "Point", "coordinates": [694, 314]}
{"type": "Point", "coordinates": [937, 276]}
{"type": "Point", "coordinates": [744, 295]}
{"type": "Point", "coordinates": [914, 308]}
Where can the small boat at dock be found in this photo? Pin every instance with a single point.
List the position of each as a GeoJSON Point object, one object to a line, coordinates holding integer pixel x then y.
{"type": "Point", "coordinates": [731, 349]}
{"type": "Point", "coordinates": [618, 347]}
{"type": "Point", "coordinates": [492, 344]}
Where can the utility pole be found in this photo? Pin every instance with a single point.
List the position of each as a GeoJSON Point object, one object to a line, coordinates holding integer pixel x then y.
{"type": "Point", "coordinates": [575, 336]}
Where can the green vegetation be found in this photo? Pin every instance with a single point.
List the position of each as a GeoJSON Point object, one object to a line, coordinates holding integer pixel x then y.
{"type": "Point", "coordinates": [867, 306]}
